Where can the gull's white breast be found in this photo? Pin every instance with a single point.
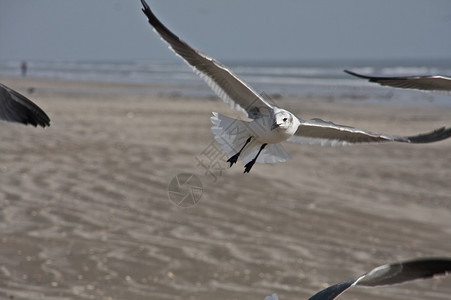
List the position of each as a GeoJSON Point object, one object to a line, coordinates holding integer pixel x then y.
{"type": "Point", "coordinates": [261, 130]}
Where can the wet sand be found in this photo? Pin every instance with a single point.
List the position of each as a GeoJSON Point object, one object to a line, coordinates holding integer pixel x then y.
{"type": "Point", "coordinates": [85, 212]}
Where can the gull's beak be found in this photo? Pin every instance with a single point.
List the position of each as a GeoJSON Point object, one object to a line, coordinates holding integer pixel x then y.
{"type": "Point", "coordinates": [274, 125]}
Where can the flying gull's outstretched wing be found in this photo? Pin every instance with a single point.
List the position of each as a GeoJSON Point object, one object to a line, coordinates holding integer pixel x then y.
{"type": "Point", "coordinates": [429, 83]}
{"type": "Point", "coordinates": [317, 131]}
{"type": "Point", "coordinates": [227, 85]}
{"type": "Point", "coordinates": [390, 274]}
{"type": "Point", "coordinates": [15, 107]}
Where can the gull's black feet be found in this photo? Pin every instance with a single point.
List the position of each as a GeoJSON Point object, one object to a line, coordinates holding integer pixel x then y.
{"type": "Point", "coordinates": [248, 166]}
{"type": "Point", "coordinates": [233, 159]}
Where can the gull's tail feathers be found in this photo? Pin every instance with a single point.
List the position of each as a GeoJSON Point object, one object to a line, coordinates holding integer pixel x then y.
{"type": "Point", "coordinates": [231, 134]}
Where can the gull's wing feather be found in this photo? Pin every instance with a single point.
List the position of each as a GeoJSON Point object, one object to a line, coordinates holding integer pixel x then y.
{"type": "Point", "coordinates": [227, 85]}
{"type": "Point", "coordinates": [15, 107]}
{"type": "Point", "coordinates": [333, 291]}
{"type": "Point", "coordinates": [430, 83]}
{"type": "Point", "coordinates": [405, 271]}
{"type": "Point", "coordinates": [317, 131]}
{"type": "Point", "coordinates": [390, 274]}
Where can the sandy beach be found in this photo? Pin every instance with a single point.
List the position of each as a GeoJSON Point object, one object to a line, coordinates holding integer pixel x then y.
{"type": "Point", "coordinates": [85, 210]}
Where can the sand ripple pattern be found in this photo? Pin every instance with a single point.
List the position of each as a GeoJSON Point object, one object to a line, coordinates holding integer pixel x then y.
{"type": "Point", "coordinates": [84, 210]}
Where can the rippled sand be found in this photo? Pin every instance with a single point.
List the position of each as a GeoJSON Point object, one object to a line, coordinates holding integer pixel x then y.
{"type": "Point", "coordinates": [85, 212]}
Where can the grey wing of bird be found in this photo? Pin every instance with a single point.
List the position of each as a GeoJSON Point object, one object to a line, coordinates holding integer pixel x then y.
{"type": "Point", "coordinates": [390, 274]}
{"type": "Point", "coordinates": [333, 291]}
{"type": "Point", "coordinates": [15, 107]}
{"type": "Point", "coordinates": [405, 271]}
{"type": "Point", "coordinates": [427, 83]}
{"type": "Point", "coordinates": [317, 131]}
{"type": "Point", "coordinates": [225, 83]}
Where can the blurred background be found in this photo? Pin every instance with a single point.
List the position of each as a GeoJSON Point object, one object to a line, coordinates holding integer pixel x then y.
{"type": "Point", "coordinates": [291, 47]}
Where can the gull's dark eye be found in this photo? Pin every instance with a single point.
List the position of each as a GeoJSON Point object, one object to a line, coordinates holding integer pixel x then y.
{"type": "Point", "coordinates": [285, 119]}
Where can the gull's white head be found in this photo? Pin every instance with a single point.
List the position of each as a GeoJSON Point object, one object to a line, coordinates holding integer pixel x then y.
{"type": "Point", "coordinates": [282, 119]}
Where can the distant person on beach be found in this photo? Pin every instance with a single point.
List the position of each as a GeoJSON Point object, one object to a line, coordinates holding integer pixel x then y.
{"type": "Point", "coordinates": [23, 67]}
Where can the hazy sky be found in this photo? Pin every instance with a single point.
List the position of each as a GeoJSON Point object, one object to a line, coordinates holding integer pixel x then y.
{"type": "Point", "coordinates": [227, 30]}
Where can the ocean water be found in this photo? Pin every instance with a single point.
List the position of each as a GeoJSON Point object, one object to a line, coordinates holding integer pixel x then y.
{"type": "Point", "coordinates": [325, 80]}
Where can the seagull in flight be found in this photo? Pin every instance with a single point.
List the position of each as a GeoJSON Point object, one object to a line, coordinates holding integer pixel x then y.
{"type": "Point", "coordinates": [258, 140]}
{"type": "Point", "coordinates": [389, 274]}
{"type": "Point", "coordinates": [15, 107]}
{"type": "Point", "coordinates": [427, 83]}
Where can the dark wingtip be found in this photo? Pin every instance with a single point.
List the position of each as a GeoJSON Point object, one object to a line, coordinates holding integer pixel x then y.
{"type": "Point", "coordinates": [36, 116]}
{"type": "Point", "coordinates": [146, 9]}
{"type": "Point", "coordinates": [145, 5]}
{"type": "Point", "coordinates": [15, 107]}
{"type": "Point", "coordinates": [39, 119]}
{"type": "Point", "coordinates": [45, 123]}
{"type": "Point", "coordinates": [152, 18]}
{"type": "Point", "coordinates": [430, 137]}
{"type": "Point", "coordinates": [43, 119]}
{"type": "Point", "coordinates": [356, 75]}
